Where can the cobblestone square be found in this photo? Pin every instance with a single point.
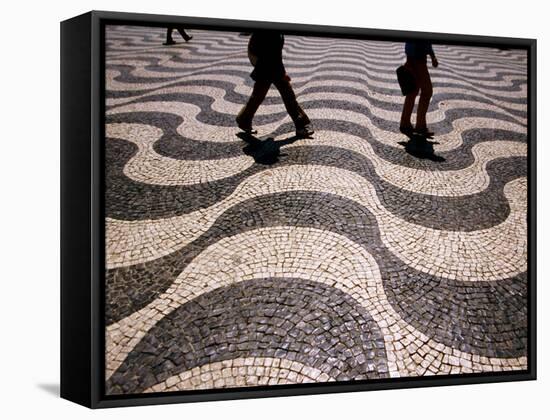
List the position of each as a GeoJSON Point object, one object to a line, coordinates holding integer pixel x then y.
{"type": "Point", "coordinates": [354, 254]}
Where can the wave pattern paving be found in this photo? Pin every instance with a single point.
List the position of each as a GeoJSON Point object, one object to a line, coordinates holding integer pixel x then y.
{"type": "Point", "coordinates": [356, 254]}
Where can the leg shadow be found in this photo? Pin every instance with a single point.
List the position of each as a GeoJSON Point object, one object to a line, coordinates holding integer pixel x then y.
{"type": "Point", "coordinates": [421, 148]}
{"type": "Point", "coordinates": [264, 152]}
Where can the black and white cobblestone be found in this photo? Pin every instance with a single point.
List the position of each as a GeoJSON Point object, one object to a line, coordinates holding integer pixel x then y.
{"type": "Point", "coordinates": [352, 255]}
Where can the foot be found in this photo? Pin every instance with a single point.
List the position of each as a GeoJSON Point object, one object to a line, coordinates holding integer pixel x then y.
{"type": "Point", "coordinates": [189, 38]}
{"type": "Point", "coordinates": [423, 131]}
{"type": "Point", "coordinates": [406, 129]}
{"type": "Point", "coordinates": [247, 128]}
{"type": "Point", "coordinates": [304, 131]}
{"type": "Point", "coordinates": [169, 42]}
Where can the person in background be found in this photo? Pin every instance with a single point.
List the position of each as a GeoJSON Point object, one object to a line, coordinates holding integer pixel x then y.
{"type": "Point", "coordinates": [170, 40]}
{"type": "Point", "coordinates": [417, 53]}
{"type": "Point", "coordinates": [265, 51]}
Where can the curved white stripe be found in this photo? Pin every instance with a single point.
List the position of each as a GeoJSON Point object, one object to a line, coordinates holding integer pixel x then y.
{"type": "Point", "coordinates": [242, 371]}
{"type": "Point", "coordinates": [149, 167]}
{"type": "Point", "coordinates": [460, 54]}
{"type": "Point", "coordinates": [362, 66]}
{"type": "Point", "coordinates": [245, 90]}
{"type": "Point", "coordinates": [470, 180]}
{"type": "Point", "coordinates": [302, 253]}
{"type": "Point", "coordinates": [209, 47]}
{"type": "Point", "coordinates": [295, 48]}
{"type": "Point", "coordinates": [439, 252]}
{"type": "Point", "coordinates": [221, 105]}
{"type": "Point", "coordinates": [310, 41]}
{"type": "Point", "coordinates": [193, 128]}
{"type": "Point", "coordinates": [301, 75]}
{"type": "Point", "coordinates": [296, 59]}
{"type": "Point", "coordinates": [165, 58]}
{"type": "Point", "coordinates": [365, 50]}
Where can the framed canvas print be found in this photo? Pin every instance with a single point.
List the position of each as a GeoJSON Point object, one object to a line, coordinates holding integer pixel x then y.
{"type": "Point", "coordinates": [255, 209]}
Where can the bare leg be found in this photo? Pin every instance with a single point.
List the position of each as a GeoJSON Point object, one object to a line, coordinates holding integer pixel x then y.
{"type": "Point", "coordinates": [408, 106]}
{"type": "Point", "coordinates": [405, 124]}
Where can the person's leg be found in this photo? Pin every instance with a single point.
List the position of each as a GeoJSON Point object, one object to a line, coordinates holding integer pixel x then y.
{"type": "Point", "coordinates": [408, 106]}
{"type": "Point", "coordinates": [169, 40]}
{"type": "Point", "coordinates": [184, 34]}
{"type": "Point", "coordinates": [426, 91]}
{"type": "Point", "coordinates": [246, 114]}
{"type": "Point", "coordinates": [405, 124]}
{"type": "Point", "coordinates": [298, 115]}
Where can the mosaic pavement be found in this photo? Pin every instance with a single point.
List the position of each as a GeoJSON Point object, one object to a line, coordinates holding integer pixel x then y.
{"type": "Point", "coordinates": [354, 254]}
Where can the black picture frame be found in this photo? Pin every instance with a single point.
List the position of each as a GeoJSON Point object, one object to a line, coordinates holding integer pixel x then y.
{"type": "Point", "coordinates": [82, 209]}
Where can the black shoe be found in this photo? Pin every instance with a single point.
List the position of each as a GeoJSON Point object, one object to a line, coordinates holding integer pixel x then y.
{"type": "Point", "coordinates": [189, 38]}
{"type": "Point", "coordinates": [305, 131]}
{"type": "Point", "coordinates": [169, 42]}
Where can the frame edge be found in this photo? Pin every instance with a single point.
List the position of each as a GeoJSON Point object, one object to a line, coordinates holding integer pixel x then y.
{"type": "Point", "coordinates": [75, 125]}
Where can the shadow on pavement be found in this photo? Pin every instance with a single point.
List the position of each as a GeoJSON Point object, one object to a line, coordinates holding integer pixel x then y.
{"type": "Point", "coordinates": [264, 152]}
{"type": "Point", "coordinates": [421, 148]}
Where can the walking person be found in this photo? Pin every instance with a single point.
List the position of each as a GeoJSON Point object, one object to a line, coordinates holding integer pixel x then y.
{"type": "Point", "coordinates": [417, 53]}
{"type": "Point", "coordinates": [265, 51]}
{"type": "Point", "coordinates": [170, 40]}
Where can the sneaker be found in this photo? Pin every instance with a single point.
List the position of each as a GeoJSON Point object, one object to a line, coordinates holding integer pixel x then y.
{"type": "Point", "coordinates": [304, 131]}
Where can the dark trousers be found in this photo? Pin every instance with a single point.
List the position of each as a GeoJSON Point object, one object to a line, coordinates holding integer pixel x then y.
{"type": "Point", "coordinates": [419, 69]}
{"type": "Point", "coordinates": [182, 32]}
{"type": "Point", "coordinates": [259, 93]}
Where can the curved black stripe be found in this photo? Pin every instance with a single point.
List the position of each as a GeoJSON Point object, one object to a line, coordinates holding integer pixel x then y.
{"type": "Point", "coordinates": [173, 145]}
{"type": "Point", "coordinates": [131, 288]}
{"type": "Point", "coordinates": [231, 92]}
{"type": "Point", "coordinates": [473, 83]}
{"type": "Point", "coordinates": [340, 59]}
{"type": "Point", "coordinates": [496, 310]}
{"type": "Point", "coordinates": [309, 322]}
{"type": "Point", "coordinates": [484, 318]}
{"type": "Point", "coordinates": [360, 48]}
{"type": "Point", "coordinates": [131, 200]}
{"type": "Point", "coordinates": [368, 93]}
{"type": "Point", "coordinates": [482, 55]}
